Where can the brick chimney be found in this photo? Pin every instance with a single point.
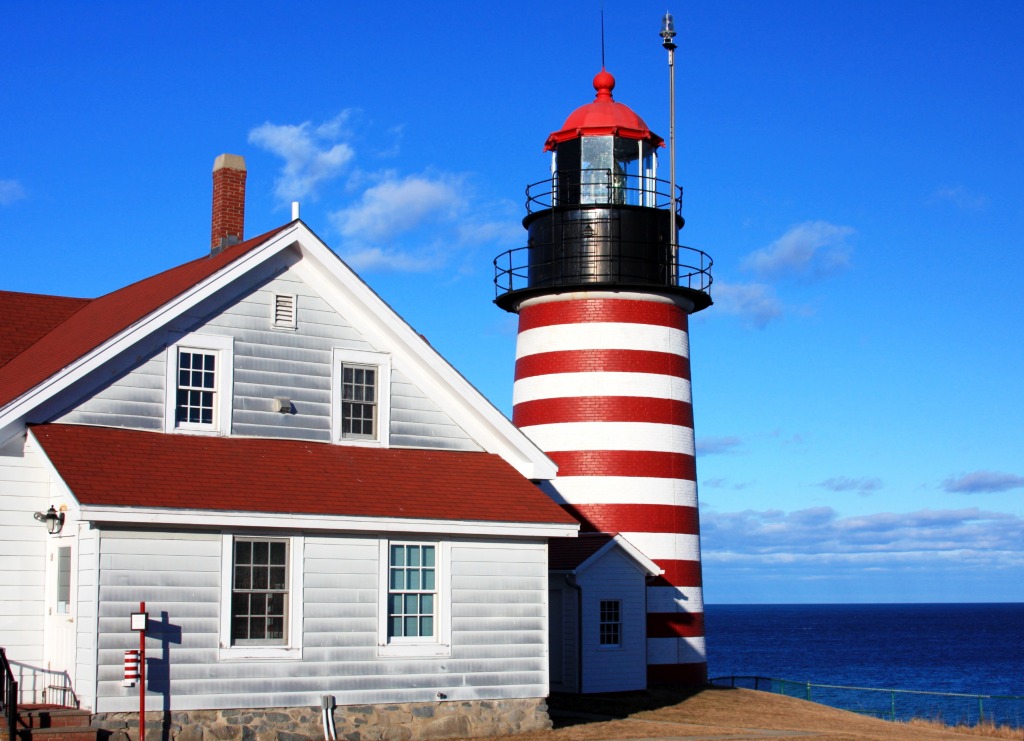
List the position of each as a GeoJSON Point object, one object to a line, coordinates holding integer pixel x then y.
{"type": "Point", "coordinates": [228, 201]}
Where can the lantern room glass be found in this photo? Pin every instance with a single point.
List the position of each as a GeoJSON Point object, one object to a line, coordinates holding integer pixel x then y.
{"type": "Point", "coordinates": [607, 170]}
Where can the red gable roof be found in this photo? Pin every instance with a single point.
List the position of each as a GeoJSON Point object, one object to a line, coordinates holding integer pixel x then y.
{"type": "Point", "coordinates": [102, 318]}
{"type": "Point", "coordinates": [119, 467]}
{"type": "Point", "coordinates": [29, 316]}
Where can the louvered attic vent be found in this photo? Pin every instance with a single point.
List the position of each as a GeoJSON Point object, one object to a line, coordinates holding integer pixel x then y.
{"type": "Point", "coordinates": [284, 311]}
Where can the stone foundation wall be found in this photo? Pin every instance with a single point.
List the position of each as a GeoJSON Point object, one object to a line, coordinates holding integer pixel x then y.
{"type": "Point", "coordinates": [395, 722]}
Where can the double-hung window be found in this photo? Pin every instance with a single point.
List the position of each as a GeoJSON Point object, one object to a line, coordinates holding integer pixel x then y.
{"type": "Point", "coordinates": [412, 591]}
{"type": "Point", "coordinates": [259, 595]}
{"type": "Point", "coordinates": [610, 625]}
{"type": "Point", "coordinates": [415, 597]}
{"type": "Point", "coordinates": [361, 390]}
{"type": "Point", "coordinates": [261, 604]}
{"type": "Point", "coordinates": [199, 384]}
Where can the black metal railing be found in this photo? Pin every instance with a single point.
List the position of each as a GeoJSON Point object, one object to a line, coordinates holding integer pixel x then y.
{"type": "Point", "coordinates": [950, 708]}
{"type": "Point", "coordinates": [600, 186]}
{"type": "Point", "coordinates": [8, 696]}
{"type": "Point", "coordinates": [691, 270]}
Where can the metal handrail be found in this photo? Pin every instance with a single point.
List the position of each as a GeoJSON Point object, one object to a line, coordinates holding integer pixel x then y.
{"type": "Point", "coordinates": [600, 186]}
{"type": "Point", "coordinates": [8, 696]}
{"type": "Point", "coordinates": [692, 269]}
{"type": "Point", "coordinates": [778, 686]}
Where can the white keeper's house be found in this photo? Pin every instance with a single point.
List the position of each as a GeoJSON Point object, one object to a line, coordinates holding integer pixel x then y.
{"type": "Point", "coordinates": [309, 500]}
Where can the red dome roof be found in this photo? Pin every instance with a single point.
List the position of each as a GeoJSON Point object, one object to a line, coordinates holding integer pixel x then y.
{"type": "Point", "coordinates": [603, 117]}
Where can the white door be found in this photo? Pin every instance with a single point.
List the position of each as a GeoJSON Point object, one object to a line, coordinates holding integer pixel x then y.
{"type": "Point", "coordinates": [59, 625]}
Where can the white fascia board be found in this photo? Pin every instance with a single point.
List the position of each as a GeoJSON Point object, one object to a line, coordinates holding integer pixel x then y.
{"type": "Point", "coordinates": [220, 519]}
{"type": "Point", "coordinates": [13, 414]}
{"type": "Point", "coordinates": [631, 550]}
{"type": "Point", "coordinates": [389, 331]}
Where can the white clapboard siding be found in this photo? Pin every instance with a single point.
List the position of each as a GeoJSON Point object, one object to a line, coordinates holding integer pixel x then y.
{"type": "Point", "coordinates": [498, 596]}
{"type": "Point", "coordinates": [86, 590]}
{"type": "Point", "coordinates": [270, 362]}
{"type": "Point", "coordinates": [24, 489]}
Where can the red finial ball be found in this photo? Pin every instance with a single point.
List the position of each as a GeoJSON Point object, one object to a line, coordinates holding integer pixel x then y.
{"type": "Point", "coordinates": [604, 83]}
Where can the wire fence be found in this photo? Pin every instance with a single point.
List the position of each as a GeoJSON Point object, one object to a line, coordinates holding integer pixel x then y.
{"type": "Point", "coordinates": [892, 704]}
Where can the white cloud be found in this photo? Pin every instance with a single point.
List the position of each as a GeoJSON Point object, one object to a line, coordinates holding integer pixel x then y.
{"type": "Point", "coordinates": [310, 155]}
{"type": "Point", "coordinates": [10, 191]}
{"type": "Point", "coordinates": [755, 303]}
{"type": "Point", "coordinates": [983, 482]}
{"type": "Point", "coordinates": [713, 445]}
{"type": "Point", "coordinates": [960, 197]}
{"type": "Point", "coordinates": [814, 248]}
{"type": "Point", "coordinates": [845, 483]}
{"type": "Point", "coordinates": [399, 204]}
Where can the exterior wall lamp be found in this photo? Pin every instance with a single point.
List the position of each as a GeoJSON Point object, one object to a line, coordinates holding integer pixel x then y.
{"type": "Point", "coordinates": [54, 520]}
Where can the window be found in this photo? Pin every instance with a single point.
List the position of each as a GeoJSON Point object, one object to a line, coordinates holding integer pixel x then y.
{"type": "Point", "coordinates": [63, 580]}
{"type": "Point", "coordinates": [412, 591]}
{"type": "Point", "coordinates": [610, 625]}
{"type": "Point", "coordinates": [358, 401]}
{"type": "Point", "coordinates": [261, 604]}
{"type": "Point", "coordinates": [362, 391]}
{"type": "Point", "coordinates": [199, 384]}
{"type": "Point", "coordinates": [197, 375]}
{"type": "Point", "coordinates": [414, 604]}
{"type": "Point", "coordinates": [259, 595]}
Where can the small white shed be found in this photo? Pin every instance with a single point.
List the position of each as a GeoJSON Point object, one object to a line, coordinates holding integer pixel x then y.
{"type": "Point", "coordinates": [598, 625]}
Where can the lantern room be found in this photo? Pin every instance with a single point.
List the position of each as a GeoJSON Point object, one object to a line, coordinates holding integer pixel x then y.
{"type": "Point", "coordinates": [603, 219]}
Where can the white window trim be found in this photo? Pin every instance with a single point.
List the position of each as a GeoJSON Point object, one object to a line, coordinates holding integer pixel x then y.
{"type": "Point", "coordinates": [441, 645]}
{"type": "Point", "coordinates": [382, 361]}
{"type": "Point", "coordinates": [295, 311]}
{"type": "Point", "coordinates": [225, 349]}
{"type": "Point", "coordinates": [610, 646]}
{"type": "Point", "coordinates": [292, 648]}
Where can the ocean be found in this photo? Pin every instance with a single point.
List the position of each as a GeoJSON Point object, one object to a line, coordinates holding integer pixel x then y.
{"type": "Point", "coordinates": [970, 649]}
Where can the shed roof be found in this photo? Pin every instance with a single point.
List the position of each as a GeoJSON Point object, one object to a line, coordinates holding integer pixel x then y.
{"type": "Point", "coordinates": [120, 467]}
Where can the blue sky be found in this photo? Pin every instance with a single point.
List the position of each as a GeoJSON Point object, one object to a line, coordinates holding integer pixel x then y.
{"type": "Point", "coordinates": [855, 170]}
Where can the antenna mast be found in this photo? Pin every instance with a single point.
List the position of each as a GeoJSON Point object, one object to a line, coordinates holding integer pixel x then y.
{"type": "Point", "coordinates": [668, 32]}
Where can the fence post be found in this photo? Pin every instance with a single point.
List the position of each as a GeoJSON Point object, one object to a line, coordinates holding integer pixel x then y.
{"type": "Point", "coordinates": [981, 709]}
{"type": "Point", "coordinates": [808, 691]}
{"type": "Point", "coordinates": [892, 705]}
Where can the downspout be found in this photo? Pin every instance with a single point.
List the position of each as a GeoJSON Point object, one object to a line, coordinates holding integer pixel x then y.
{"type": "Point", "coordinates": [570, 579]}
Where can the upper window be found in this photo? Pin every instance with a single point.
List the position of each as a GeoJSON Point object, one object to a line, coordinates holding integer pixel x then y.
{"type": "Point", "coordinates": [362, 395]}
{"type": "Point", "coordinates": [199, 382]}
{"type": "Point", "coordinates": [414, 599]}
{"type": "Point", "coordinates": [261, 605]}
{"type": "Point", "coordinates": [610, 625]}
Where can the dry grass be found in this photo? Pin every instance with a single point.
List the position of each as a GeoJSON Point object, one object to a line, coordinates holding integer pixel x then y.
{"type": "Point", "coordinates": [728, 714]}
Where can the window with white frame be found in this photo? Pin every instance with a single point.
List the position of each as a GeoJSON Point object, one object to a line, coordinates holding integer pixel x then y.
{"type": "Point", "coordinates": [361, 384]}
{"type": "Point", "coordinates": [610, 625]}
{"type": "Point", "coordinates": [414, 619]}
{"type": "Point", "coordinates": [262, 605]}
{"type": "Point", "coordinates": [199, 382]}
{"type": "Point", "coordinates": [259, 594]}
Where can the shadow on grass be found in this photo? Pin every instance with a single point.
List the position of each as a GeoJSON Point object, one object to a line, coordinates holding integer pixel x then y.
{"type": "Point", "coordinates": [567, 710]}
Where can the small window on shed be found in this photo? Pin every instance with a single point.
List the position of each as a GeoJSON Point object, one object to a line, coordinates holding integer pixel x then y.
{"type": "Point", "coordinates": [285, 311]}
{"type": "Point", "coordinates": [611, 622]}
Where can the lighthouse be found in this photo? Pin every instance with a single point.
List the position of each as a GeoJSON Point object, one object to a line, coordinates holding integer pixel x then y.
{"type": "Point", "coordinates": [604, 293]}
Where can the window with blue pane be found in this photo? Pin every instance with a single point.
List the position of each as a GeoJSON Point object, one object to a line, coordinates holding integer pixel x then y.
{"type": "Point", "coordinates": [412, 590]}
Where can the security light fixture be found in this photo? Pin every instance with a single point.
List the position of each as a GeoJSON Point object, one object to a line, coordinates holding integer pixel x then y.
{"type": "Point", "coordinates": [53, 519]}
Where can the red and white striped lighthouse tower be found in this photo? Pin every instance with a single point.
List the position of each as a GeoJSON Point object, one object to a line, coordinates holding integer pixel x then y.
{"type": "Point", "coordinates": [602, 382]}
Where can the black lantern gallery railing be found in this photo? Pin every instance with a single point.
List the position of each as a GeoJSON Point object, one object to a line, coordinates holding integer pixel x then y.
{"type": "Point", "coordinates": [593, 228]}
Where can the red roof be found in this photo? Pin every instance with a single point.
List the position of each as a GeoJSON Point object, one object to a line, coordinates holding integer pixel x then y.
{"type": "Point", "coordinates": [603, 117]}
{"type": "Point", "coordinates": [29, 316]}
{"type": "Point", "coordinates": [119, 467]}
{"type": "Point", "coordinates": [102, 318]}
